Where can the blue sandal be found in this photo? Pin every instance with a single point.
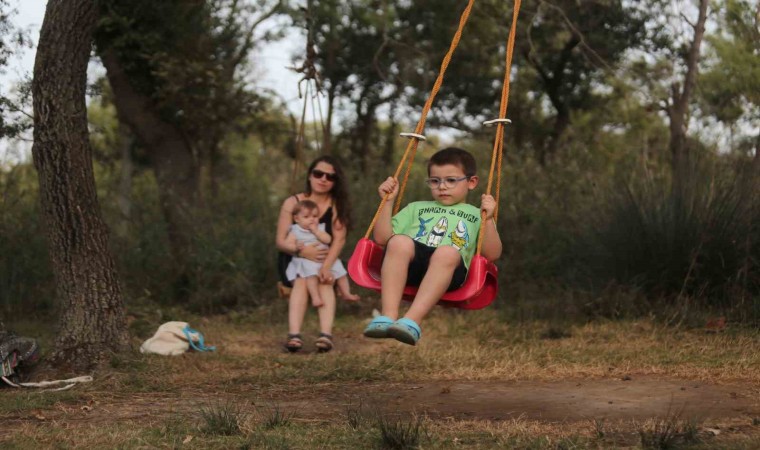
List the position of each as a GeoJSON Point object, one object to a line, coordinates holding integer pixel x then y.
{"type": "Point", "coordinates": [406, 331]}
{"type": "Point", "coordinates": [378, 328]}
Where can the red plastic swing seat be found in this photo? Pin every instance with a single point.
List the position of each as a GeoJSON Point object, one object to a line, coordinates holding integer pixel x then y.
{"type": "Point", "coordinates": [477, 292]}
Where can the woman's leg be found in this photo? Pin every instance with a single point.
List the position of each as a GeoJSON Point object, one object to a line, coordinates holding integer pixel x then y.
{"type": "Point", "coordinates": [327, 311]}
{"type": "Point", "coordinates": [312, 285]}
{"type": "Point", "coordinates": [299, 299]}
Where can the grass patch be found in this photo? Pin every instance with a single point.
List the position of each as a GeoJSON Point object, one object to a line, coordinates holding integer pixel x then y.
{"type": "Point", "coordinates": [21, 400]}
{"type": "Point", "coordinates": [669, 432]}
{"type": "Point", "coordinates": [273, 416]}
{"type": "Point", "coordinates": [223, 419]}
{"type": "Point", "coordinates": [401, 432]}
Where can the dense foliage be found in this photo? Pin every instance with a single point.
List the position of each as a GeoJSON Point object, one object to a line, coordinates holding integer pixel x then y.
{"type": "Point", "coordinates": [587, 204]}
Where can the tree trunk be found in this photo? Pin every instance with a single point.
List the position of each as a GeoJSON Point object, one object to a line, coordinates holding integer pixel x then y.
{"type": "Point", "coordinates": [171, 157]}
{"type": "Point", "coordinates": [360, 147]}
{"type": "Point", "coordinates": [553, 80]}
{"type": "Point", "coordinates": [327, 136]}
{"type": "Point", "coordinates": [756, 158]}
{"type": "Point", "coordinates": [678, 110]}
{"type": "Point", "coordinates": [390, 138]}
{"type": "Point", "coordinates": [92, 321]}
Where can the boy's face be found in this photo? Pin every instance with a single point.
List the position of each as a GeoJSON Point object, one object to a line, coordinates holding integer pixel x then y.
{"type": "Point", "coordinates": [306, 218]}
{"type": "Point", "coordinates": [449, 185]}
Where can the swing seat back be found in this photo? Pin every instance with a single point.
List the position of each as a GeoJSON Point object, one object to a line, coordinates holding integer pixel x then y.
{"type": "Point", "coordinates": [478, 290]}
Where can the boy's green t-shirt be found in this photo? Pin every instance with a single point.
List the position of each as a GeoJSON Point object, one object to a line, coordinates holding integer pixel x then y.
{"type": "Point", "coordinates": [433, 224]}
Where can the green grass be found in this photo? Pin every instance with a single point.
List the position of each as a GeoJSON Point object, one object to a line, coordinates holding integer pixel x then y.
{"type": "Point", "coordinates": [27, 400]}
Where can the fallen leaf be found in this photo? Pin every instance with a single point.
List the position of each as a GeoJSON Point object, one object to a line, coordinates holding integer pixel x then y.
{"type": "Point", "coordinates": [187, 439]}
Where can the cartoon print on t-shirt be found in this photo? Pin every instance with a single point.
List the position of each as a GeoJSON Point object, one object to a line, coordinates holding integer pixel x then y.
{"type": "Point", "coordinates": [438, 232]}
{"type": "Point", "coordinates": [460, 237]}
{"type": "Point", "coordinates": [421, 230]}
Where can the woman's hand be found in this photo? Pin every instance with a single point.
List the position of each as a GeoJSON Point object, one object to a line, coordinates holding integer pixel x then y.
{"type": "Point", "coordinates": [326, 276]}
{"type": "Point", "coordinates": [313, 252]}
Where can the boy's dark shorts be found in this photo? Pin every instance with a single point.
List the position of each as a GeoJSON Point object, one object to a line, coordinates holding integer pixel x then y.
{"type": "Point", "coordinates": [419, 265]}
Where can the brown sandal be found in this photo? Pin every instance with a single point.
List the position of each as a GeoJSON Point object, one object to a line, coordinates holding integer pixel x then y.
{"type": "Point", "coordinates": [324, 343]}
{"type": "Point", "coordinates": [294, 344]}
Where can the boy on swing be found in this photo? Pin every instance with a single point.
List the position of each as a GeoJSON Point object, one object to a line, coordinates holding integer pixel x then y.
{"type": "Point", "coordinates": [430, 243]}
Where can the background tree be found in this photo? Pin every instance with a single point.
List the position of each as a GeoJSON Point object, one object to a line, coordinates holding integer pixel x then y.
{"type": "Point", "coordinates": [92, 319]}
{"type": "Point", "coordinates": [730, 87]}
{"type": "Point", "coordinates": [180, 87]}
{"type": "Point", "coordinates": [12, 118]}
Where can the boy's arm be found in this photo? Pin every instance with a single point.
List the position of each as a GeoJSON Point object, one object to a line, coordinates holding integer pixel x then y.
{"type": "Point", "coordinates": [383, 227]}
{"type": "Point", "coordinates": [492, 246]}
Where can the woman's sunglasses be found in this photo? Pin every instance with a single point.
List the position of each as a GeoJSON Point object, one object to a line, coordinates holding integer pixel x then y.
{"type": "Point", "coordinates": [319, 174]}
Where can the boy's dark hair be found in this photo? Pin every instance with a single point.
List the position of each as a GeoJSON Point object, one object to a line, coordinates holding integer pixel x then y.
{"type": "Point", "coordinates": [455, 156]}
{"type": "Point", "coordinates": [304, 204]}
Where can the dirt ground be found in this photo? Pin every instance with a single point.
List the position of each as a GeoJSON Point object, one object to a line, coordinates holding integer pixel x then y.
{"type": "Point", "coordinates": [638, 398]}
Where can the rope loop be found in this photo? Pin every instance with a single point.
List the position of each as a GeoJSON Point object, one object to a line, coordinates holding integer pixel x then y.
{"type": "Point", "coordinates": [419, 137]}
{"type": "Point", "coordinates": [488, 123]}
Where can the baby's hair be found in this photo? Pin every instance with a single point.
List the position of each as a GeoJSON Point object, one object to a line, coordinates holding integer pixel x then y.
{"type": "Point", "coordinates": [304, 204]}
{"type": "Point", "coordinates": [457, 157]}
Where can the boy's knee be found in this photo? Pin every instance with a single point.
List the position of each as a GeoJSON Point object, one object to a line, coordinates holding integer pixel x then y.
{"type": "Point", "coordinates": [400, 244]}
{"type": "Point", "coordinates": [445, 255]}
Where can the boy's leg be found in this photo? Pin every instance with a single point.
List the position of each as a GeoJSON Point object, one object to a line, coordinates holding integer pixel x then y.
{"type": "Point", "coordinates": [312, 285]}
{"type": "Point", "coordinates": [398, 254]}
{"type": "Point", "coordinates": [443, 263]}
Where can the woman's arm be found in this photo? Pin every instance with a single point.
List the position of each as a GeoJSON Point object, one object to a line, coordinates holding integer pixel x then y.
{"type": "Point", "coordinates": [333, 253]}
{"type": "Point", "coordinates": [284, 222]}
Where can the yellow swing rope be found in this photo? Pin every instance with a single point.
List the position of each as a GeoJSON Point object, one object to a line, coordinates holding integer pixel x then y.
{"type": "Point", "coordinates": [411, 148]}
{"type": "Point", "coordinates": [498, 147]}
{"type": "Point", "coordinates": [300, 138]}
{"type": "Point", "coordinates": [311, 76]}
{"type": "Point", "coordinates": [498, 144]}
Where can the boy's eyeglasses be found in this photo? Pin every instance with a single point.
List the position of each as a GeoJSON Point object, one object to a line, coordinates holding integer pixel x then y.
{"type": "Point", "coordinates": [449, 182]}
{"type": "Point", "coordinates": [319, 174]}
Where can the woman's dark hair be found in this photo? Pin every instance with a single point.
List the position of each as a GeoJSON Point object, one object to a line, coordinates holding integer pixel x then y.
{"type": "Point", "coordinates": [339, 190]}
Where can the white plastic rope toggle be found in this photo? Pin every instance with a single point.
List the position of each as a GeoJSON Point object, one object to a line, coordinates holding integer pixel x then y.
{"type": "Point", "coordinates": [494, 121]}
{"type": "Point", "coordinates": [419, 137]}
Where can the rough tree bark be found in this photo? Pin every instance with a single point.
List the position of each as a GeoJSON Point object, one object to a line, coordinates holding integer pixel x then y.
{"type": "Point", "coordinates": [92, 321]}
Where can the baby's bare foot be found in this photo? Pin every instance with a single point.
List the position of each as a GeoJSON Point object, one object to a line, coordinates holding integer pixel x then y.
{"type": "Point", "coordinates": [317, 302]}
{"type": "Point", "coordinates": [349, 297]}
